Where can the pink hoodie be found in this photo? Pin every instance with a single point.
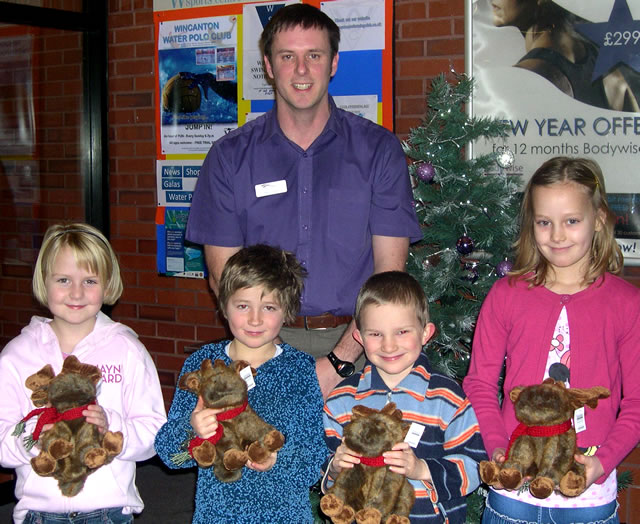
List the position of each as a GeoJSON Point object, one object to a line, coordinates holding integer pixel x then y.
{"type": "Point", "coordinates": [129, 393]}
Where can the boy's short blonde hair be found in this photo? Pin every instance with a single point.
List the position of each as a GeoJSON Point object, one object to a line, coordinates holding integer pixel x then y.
{"type": "Point", "coordinates": [92, 252]}
{"type": "Point", "coordinates": [392, 287]}
{"type": "Point", "coordinates": [274, 269]}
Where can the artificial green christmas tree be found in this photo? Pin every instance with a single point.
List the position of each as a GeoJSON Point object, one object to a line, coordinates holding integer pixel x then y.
{"type": "Point", "coordinates": [468, 210]}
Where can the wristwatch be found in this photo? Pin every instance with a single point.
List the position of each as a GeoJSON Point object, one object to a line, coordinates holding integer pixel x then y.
{"type": "Point", "coordinates": [343, 368]}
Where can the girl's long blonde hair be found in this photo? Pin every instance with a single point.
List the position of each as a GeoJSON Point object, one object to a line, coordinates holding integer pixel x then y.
{"type": "Point", "coordinates": [605, 253]}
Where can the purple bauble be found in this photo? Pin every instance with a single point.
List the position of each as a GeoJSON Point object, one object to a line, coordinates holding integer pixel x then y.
{"type": "Point", "coordinates": [503, 268]}
{"type": "Point", "coordinates": [470, 273]}
{"type": "Point", "coordinates": [464, 245]}
{"type": "Point", "coordinates": [426, 172]}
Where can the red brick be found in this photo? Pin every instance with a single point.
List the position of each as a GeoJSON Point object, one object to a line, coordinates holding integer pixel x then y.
{"type": "Point", "coordinates": [423, 67]}
{"type": "Point", "coordinates": [176, 298]}
{"type": "Point", "coordinates": [138, 198]}
{"type": "Point", "coordinates": [126, 133]}
{"type": "Point", "coordinates": [176, 331]}
{"type": "Point", "coordinates": [210, 334]}
{"type": "Point", "coordinates": [445, 47]}
{"type": "Point", "coordinates": [159, 345]}
{"type": "Point", "coordinates": [167, 378]}
{"type": "Point", "coordinates": [409, 87]}
{"type": "Point", "coordinates": [135, 67]}
{"type": "Point", "coordinates": [138, 295]}
{"type": "Point", "coordinates": [410, 48]}
{"type": "Point", "coordinates": [170, 362]}
{"type": "Point", "coordinates": [157, 312]}
{"type": "Point", "coordinates": [198, 317]}
{"type": "Point", "coordinates": [443, 8]}
{"type": "Point", "coordinates": [410, 11]}
{"type": "Point", "coordinates": [134, 100]}
{"type": "Point", "coordinates": [413, 106]}
{"type": "Point", "coordinates": [426, 29]}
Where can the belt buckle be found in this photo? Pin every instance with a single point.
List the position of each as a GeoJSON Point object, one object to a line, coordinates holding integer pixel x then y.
{"type": "Point", "coordinates": [307, 328]}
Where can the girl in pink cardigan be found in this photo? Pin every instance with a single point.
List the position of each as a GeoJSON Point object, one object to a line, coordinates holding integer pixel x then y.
{"type": "Point", "coordinates": [562, 313]}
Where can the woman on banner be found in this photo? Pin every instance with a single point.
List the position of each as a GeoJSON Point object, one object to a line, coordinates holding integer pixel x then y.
{"type": "Point", "coordinates": [557, 52]}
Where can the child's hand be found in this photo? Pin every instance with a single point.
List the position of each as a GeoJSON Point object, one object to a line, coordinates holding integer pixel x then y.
{"type": "Point", "coordinates": [203, 420]}
{"type": "Point", "coordinates": [265, 466]}
{"type": "Point", "coordinates": [94, 414]}
{"type": "Point", "coordinates": [343, 459]}
{"type": "Point", "coordinates": [403, 460]}
{"type": "Point", "coordinates": [499, 455]}
{"type": "Point", "coordinates": [593, 467]}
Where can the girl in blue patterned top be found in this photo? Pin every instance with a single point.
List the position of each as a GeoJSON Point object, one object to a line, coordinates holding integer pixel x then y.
{"type": "Point", "coordinates": [260, 289]}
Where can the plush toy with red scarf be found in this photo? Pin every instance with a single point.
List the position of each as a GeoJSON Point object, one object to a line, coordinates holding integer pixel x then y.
{"type": "Point", "coordinates": [370, 492]}
{"type": "Point", "coordinates": [543, 445]}
{"type": "Point", "coordinates": [73, 448]}
{"type": "Point", "coordinates": [242, 435]}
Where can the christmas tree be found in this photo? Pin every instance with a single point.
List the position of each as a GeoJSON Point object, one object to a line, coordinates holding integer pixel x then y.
{"type": "Point", "coordinates": [468, 209]}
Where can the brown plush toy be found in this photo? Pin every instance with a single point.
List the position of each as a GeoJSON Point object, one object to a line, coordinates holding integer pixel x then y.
{"type": "Point", "coordinates": [544, 443]}
{"type": "Point", "coordinates": [73, 448]}
{"type": "Point", "coordinates": [241, 435]}
{"type": "Point", "coordinates": [370, 492]}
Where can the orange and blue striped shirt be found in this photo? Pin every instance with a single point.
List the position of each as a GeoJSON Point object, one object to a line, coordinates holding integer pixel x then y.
{"type": "Point", "coordinates": [450, 444]}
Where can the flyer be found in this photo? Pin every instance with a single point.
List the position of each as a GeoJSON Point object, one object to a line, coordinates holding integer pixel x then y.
{"type": "Point", "coordinates": [198, 84]}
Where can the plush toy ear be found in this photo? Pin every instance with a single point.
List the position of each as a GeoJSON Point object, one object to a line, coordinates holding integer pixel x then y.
{"type": "Point", "coordinates": [390, 409]}
{"type": "Point", "coordinates": [73, 365]}
{"type": "Point", "coordinates": [206, 364]}
{"type": "Point", "coordinates": [362, 411]}
{"type": "Point", "coordinates": [587, 397]}
{"type": "Point", "coordinates": [515, 393]}
{"type": "Point", "coordinates": [40, 379]}
{"type": "Point", "coordinates": [39, 384]}
{"type": "Point", "coordinates": [239, 365]}
{"type": "Point", "coordinates": [191, 381]}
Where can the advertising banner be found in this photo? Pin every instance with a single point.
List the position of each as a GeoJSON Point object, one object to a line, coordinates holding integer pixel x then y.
{"type": "Point", "coordinates": [564, 75]}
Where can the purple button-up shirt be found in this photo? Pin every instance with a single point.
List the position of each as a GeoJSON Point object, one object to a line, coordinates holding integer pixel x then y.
{"type": "Point", "coordinates": [323, 204]}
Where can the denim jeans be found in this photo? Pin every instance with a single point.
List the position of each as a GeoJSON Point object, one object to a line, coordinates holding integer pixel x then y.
{"type": "Point", "coordinates": [99, 516]}
{"type": "Point", "coordinates": [503, 510]}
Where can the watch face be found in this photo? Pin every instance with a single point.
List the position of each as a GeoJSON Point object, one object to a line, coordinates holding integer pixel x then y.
{"type": "Point", "coordinates": [345, 369]}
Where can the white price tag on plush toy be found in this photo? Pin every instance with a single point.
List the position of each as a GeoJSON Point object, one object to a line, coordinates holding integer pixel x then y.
{"type": "Point", "coordinates": [414, 434]}
{"type": "Point", "coordinates": [579, 422]}
{"type": "Point", "coordinates": [247, 376]}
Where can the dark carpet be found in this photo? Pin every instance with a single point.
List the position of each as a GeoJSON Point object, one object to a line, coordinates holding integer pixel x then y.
{"type": "Point", "coordinates": [168, 495]}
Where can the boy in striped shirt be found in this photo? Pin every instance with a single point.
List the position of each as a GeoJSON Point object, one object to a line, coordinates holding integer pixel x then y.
{"type": "Point", "coordinates": [392, 320]}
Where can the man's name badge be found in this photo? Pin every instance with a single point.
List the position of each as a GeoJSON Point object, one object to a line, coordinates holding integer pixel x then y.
{"type": "Point", "coordinates": [247, 376]}
{"type": "Point", "coordinates": [271, 188]}
{"type": "Point", "coordinates": [414, 434]}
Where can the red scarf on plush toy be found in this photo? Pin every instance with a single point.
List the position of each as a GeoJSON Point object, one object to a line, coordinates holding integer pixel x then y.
{"type": "Point", "coordinates": [537, 431]}
{"type": "Point", "coordinates": [225, 415]}
{"type": "Point", "coordinates": [51, 416]}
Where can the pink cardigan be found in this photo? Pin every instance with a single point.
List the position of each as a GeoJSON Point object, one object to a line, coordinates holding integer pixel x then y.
{"type": "Point", "coordinates": [518, 323]}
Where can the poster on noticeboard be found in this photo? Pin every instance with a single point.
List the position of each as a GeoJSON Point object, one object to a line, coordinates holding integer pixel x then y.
{"type": "Point", "coordinates": [565, 76]}
{"type": "Point", "coordinates": [211, 80]}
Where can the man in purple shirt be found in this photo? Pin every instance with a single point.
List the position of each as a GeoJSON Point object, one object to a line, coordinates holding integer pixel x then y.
{"type": "Point", "coordinates": [313, 179]}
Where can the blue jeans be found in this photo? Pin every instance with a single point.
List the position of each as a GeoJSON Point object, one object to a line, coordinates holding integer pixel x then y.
{"type": "Point", "coordinates": [99, 516]}
{"type": "Point", "coordinates": [503, 510]}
